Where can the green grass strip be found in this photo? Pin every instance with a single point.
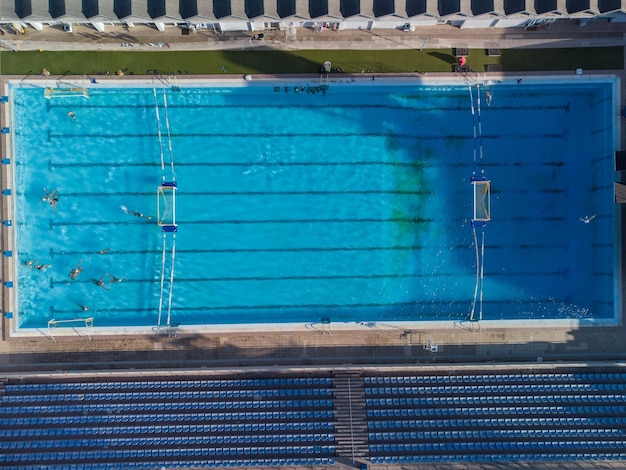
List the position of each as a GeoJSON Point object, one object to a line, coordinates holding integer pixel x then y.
{"type": "Point", "coordinates": [303, 61]}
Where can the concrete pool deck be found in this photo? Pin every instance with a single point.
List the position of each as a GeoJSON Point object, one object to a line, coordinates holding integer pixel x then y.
{"type": "Point", "coordinates": [331, 344]}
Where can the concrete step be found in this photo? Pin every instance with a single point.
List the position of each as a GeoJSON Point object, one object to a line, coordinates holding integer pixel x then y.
{"type": "Point", "coordinates": [351, 437]}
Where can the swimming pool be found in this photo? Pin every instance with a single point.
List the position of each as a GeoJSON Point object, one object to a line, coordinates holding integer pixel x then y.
{"type": "Point", "coordinates": [297, 203]}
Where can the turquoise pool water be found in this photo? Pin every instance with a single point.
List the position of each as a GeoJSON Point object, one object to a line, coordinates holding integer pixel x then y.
{"type": "Point", "coordinates": [353, 203]}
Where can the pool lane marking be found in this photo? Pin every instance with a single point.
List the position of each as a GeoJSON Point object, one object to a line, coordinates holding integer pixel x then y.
{"type": "Point", "coordinates": [256, 193]}
{"type": "Point", "coordinates": [270, 278]}
{"type": "Point", "coordinates": [416, 303]}
{"type": "Point", "coordinates": [249, 164]}
{"type": "Point", "coordinates": [308, 193]}
{"type": "Point", "coordinates": [413, 220]}
{"type": "Point", "coordinates": [366, 192]}
{"type": "Point", "coordinates": [259, 164]}
{"type": "Point", "coordinates": [410, 220]}
{"type": "Point", "coordinates": [539, 246]}
{"type": "Point", "coordinates": [268, 135]}
{"type": "Point", "coordinates": [250, 250]}
{"type": "Point", "coordinates": [101, 222]}
{"type": "Point", "coordinates": [326, 277]}
{"type": "Point", "coordinates": [315, 106]}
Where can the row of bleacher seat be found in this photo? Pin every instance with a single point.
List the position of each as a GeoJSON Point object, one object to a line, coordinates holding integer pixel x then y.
{"type": "Point", "coordinates": [172, 384]}
{"type": "Point", "coordinates": [539, 446]}
{"type": "Point", "coordinates": [494, 400]}
{"type": "Point", "coordinates": [56, 421]}
{"type": "Point", "coordinates": [495, 433]}
{"type": "Point", "coordinates": [130, 465]}
{"type": "Point", "coordinates": [500, 410]}
{"type": "Point", "coordinates": [48, 401]}
{"type": "Point", "coordinates": [166, 395]}
{"type": "Point", "coordinates": [206, 428]}
{"type": "Point", "coordinates": [492, 389]}
{"type": "Point", "coordinates": [309, 439]}
{"type": "Point", "coordinates": [498, 458]}
{"type": "Point", "coordinates": [491, 378]}
{"type": "Point", "coordinates": [180, 406]}
{"type": "Point", "coordinates": [206, 451]}
{"type": "Point", "coordinates": [497, 422]}
{"type": "Point", "coordinates": [75, 459]}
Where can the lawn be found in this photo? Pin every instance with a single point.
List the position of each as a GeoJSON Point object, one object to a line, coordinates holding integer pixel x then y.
{"type": "Point", "coordinates": [305, 61]}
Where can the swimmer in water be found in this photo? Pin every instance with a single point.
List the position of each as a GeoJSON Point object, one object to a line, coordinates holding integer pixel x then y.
{"type": "Point", "coordinates": [84, 308]}
{"type": "Point", "coordinates": [41, 267]}
{"type": "Point", "coordinates": [136, 213]}
{"type": "Point", "coordinates": [113, 279]}
{"type": "Point", "coordinates": [72, 115]}
{"type": "Point", "coordinates": [51, 198]}
{"type": "Point", "coordinates": [587, 219]}
{"type": "Point", "coordinates": [103, 252]}
{"type": "Point", "coordinates": [74, 272]}
{"type": "Point", "coordinates": [100, 283]}
{"type": "Point", "coordinates": [31, 262]}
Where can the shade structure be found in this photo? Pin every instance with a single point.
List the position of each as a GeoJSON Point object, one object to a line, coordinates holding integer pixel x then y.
{"type": "Point", "coordinates": [611, 6]}
{"type": "Point", "coordinates": [255, 8]}
{"type": "Point", "coordinates": [487, 7]}
{"type": "Point", "coordinates": [270, 8]}
{"type": "Point", "coordinates": [100, 10]}
{"type": "Point", "coordinates": [89, 8]}
{"type": "Point", "coordinates": [453, 7]}
{"type": "Point", "coordinates": [550, 7]}
{"type": "Point", "coordinates": [399, 9]}
{"type": "Point", "coordinates": [221, 8]}
{"type": "Point", "coordinates": [302, 9]}
{"type": "Point", "coordinates": [526, 7]}
{"type": "Point", "coordinates": [382, 7]}
{"type": "Point", "coordinates": [350, 8]}
{"type": "Point", "coordinates": [321, 9]}
{"type": "Point", "coordinates": [167, 11]}
{"type": "Point", "coordinates": [582, 6]}
{"type": "Point", "coordinates": [19, 9]}
{"type": "Point", "coordinates": [422, 7]}
{"type": "Point", "coordinates": [285, 8]}
{"type": "Point", "coordinates": [160, 9]}
{"type": "Point", "coordinates": [56, 8]}
{"type": "Point", "coordinates": [198, 10]}
{"type": "Point", "coordinates": [39, 9]}
{"type": "Point", "coordinates": [122, 8]}
{"type": "Point", "coordinates": [138, 11]}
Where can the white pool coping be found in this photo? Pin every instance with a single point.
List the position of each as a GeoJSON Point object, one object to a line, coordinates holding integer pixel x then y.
{"type": "Point", "coordinates": [78, 327]}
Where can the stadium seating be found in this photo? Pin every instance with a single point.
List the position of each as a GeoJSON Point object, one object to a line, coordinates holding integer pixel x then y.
{"type": "Point", "coordinates": [175, 423]}
{"type": "Point", "coordinates": [496, 417]}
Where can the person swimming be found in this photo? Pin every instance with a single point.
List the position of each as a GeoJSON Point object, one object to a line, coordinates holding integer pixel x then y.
{"type": "Point", "coordinates": [41, 267]}
{"type": "Point", "coordinates": [113, 279]}
{"type": "Point", "coordinates": [51, 198]}
{"type": "Point", "coordinates": [136, 213]}
{"type": "Point", "coordinates": [74, 272]}
{"type": "Point", "coordinates": [103, 252]}
{"type": "Point", "coordinates": [84, 308]}
{"type": "Point", "coordinates": [488, 97]}
{"type": "Point", "coordinates": [100, 283]}
{"type": "Point", "coordinates": [587, 219]}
